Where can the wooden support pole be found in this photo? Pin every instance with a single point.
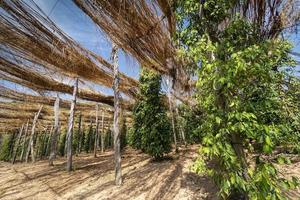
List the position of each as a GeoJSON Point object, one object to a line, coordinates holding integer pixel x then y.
{"type": "Point", "coordinates": [17, 145]}
{"type": "Point", "coordinates": [24, 142]}
{"type": "Point", "coordinates": [54, 136]}
{"type": "Point", "coordinates": [30, 148]}
{"type": "Point", "coordinates": [102, 133]}
{"type": "Point", "coordinates": [172, 113]}
{"type": "Point", "coordinates": [70, 127]}
{"type": "Point", "coordinates": [181, 130]}
{"type": "Point", "coordinates": [89, 132]}
{"type": "Point", "coordinates": [171, 105]}
{"type": "Point", "coordinates": [96, 132]}
{"type": "Point", "coordinates": [79, 135]}
{"type": "Point", "coordinates": [117, 150]}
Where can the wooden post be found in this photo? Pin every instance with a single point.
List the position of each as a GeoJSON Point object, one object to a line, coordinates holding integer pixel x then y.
{"type": "Point", "coordinates": [90, 131]}
{"type": "Point", "coordinates": [172, 113]}
{"type": "Point", "coordinates": [79, 135]}
{"type": "Point", "coordinates": [70, 127]}
{"type": "Point", "coordinates": [117, 150]}
{"type": "Point", "coordinates": [54, 136]}
{"type": "Point", "coordinates": [17, 145]}
{"type": "Point", "coordinates": [96, 132]}
{"type": "Point", "coordinates": [83, 137]}
{"type": "Point", "coordinates": [102, 133]}
{"type": "Point", "coordinates": [24, 142]}
{"type": "Point", "coordinates": [181, 129]}
{"type": "Point", "coordinates": [30, 148]}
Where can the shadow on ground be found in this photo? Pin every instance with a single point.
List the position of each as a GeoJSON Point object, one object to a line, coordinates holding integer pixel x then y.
{"type": "Point", "coordinates": [93, 178]}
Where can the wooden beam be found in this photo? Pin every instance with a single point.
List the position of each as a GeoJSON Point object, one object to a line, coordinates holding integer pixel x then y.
{"type": "Point", "coordinates": [96, 132]}
{"type": "Point", "coordinates": [102, 133]}
{"type": "Point", "coordinates": [30, 144]}
{"type": "Point", "coordinates": [24, 141]}
{"type": "Point", "coordinates": [54, 136]}
{"type": "Point", "coordinates": [117, 150]}
{"type": "Point", "coordinates": [79, 135]}
{"type": "Point", "coordinates": [70, 127]}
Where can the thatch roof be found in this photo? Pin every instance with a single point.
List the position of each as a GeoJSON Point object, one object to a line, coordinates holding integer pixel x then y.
{"type": "Point", "coordinates": [134, 27]}
{"type": "Point", "coordinates": [140, 30]}
{"type": "Point", "coordinates": [20, 112]}
{"type": "Point", "coordinates": [42, 42]}
{"type": "Point", "coordinates": [15, 96]}
{"type": "Point", "coordinates": [26, 75]}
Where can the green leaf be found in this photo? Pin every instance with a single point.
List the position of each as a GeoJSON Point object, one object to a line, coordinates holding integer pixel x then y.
{"type": "Point", "coordinates": [267, 148]}
{"type": "Point", "coordinates": [268, 140]}
{"type": "Point", "coordinates": [218, 120]}
{"type": "Point", "coordinates": [280, 160]}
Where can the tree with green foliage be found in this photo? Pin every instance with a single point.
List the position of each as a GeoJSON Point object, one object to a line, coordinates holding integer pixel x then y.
{"type": "Point", "coordinates": [6, 146]}
{"type": "Point", "coordinates": [151, 127]}
{"type": "Point", "coordinates": [75, 140]}
{"type": "Point", "coordinates": [188, 121]}
{"type": "Point", "coordinates": [82, 139]}
{"type": "Point", "coordinates": [88, 143]}
{"type": "Point", "coordinates": [62, 142]}
{"type": "Point", "coordinates": [108, 141]}
{"type": "Point", "coordinates": [242, 89]}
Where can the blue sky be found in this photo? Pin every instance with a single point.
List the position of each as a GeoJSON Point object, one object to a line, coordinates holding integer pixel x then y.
{"type": "Point", "coordinates": [82, 29]}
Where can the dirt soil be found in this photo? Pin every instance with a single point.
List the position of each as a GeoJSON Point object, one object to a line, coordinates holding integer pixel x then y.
{"type": "Point", "coordinates": [93, 178]}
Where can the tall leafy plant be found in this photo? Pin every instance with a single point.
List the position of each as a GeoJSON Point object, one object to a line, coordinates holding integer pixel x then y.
{"type": "Point", "coordinates": [242, 91]}
{"type": "Point", "coordinates": [151, 128]}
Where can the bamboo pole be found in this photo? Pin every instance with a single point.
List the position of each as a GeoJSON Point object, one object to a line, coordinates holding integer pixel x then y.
{"type": "Point", "coordinates": [117, 150]}
{"type": "Point", "coordinates": [102, 133]}
{"type": "Point", "coordinates": [90, 138]}
{"type": "Point", "coordinates": [96, 132]}
{"type": "Point", "coordinates": [172, 113]}
{"type": "Point", "coordinates": [30, 144]}
{"type": "Point", "coordinates": [70, 127]}
{"type": "Point", "coordinates": [17, 145]}
{"type": "Point", "coordinates": [79, 135]}
{"type": "Point", "coordinates": [181, 130]}
{"type": "Point", "coordinates": [53, 144]}
{"type": "Point", "coordinates": [24, 142]}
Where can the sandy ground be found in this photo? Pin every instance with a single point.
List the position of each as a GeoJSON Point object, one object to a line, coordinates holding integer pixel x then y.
{"type": "Point", "coordinates": [288, 171]}
{"type": "Point", "coordinates": [93, 178]}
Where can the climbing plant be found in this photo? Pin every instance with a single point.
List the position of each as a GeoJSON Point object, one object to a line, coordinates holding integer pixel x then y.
{"type": "Point", "coordinates": [243, 91]}
{"type": "Point", "coordinates": [6, 147]}
{"type": "Point", "coordinates": [151, 127]}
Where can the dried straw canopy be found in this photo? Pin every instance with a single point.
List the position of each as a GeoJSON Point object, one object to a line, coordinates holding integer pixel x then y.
{"type": "Point", "coordinates": [22, 107]}
{"type": "Point", "coordinates": [41, 42]}
{"type": "Point", "coordinates": [135, 27]}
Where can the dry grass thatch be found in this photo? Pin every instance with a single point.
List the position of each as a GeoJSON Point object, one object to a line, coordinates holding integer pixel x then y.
{"type": "Point", "coordinates": [10, 94]}
{"type": "Point", "coordinates": [135, 27]}
{"type": "Point", "coordinates": [41, 41]}
{"type": "Point", "coordinates": [23, 111]}
{"type": "Point", "coordinates": [25, 75]}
